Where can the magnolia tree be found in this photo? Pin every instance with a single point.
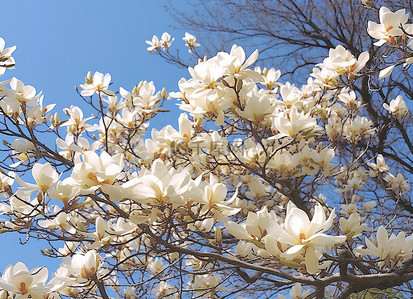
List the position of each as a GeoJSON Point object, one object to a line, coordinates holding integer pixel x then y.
{"type": "Point", "coordinates": [264, 189]}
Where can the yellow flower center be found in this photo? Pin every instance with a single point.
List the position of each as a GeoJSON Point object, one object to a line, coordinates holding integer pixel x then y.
{"type": "Point", "coordinates": [91, 176]}
{"type": "Point", "coordinates": [23, 289]}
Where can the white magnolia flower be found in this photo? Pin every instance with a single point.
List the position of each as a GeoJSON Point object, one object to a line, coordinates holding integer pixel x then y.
{"type": "Point", "coordinates": [154, 44]}
{"type": "Point", "coordinates": [389, 27]}
{"type": "Point", "coordinates": [342, 61]}
{"type": "Point", "coordinates": [143, 97]}
{"type": "Point", "coordinates": [358, 128]}
{"type": "Point", "coordinates": [44, 175]}
{"type": "Point", "coordinates": [257, 109]}
{"type": "Point", "coordinates": [352, 226]}
{"type": "Point", "coordinates": [292, 124]}
{"type": "Point", "coordinates": [397, 107]}
{"type": "Point", "coordinates": [166, 41]}
{"type": "Point", "coordinates": [207, 281]}
{"type": "Point", "coordinates": [165, 290]}
{"type": "Point", "coordinates": [190, 41]}
{"type": "Point", "coordinates": [250, 250]}
{"type": "Point", "coordinates": [162, 184]}
{"type": "Point", "coordinates": [6, 180]}
{"type": "Point", "coordinates": [22, 146]}
{"type": "Point", "coordinates": [237, 65]}
{"type": "Point", "coordinates": [101, 235]}
{"type": "Point", "coordinates": [349, 98]}
{"type": "Point", "coordinates": [23, 93]}
{"type": "Point", "coordinates": [19, 280]}
{"type": "Point", "coordinates": [86, 265]}
{"type": "Point", "coordinates": [397, 183]}
{"type": "Point", "coordinates": [255, 227]}
{"type": "Point", "coordinates": [130, 292]}
{"type": "Point", "coordinates": [156, 266]}
{"type": "Point", "coordinates": [213, 199]}
{"type": "Point", "coordinates": [98, 172]}
{"type": "Point", "coordinates": [62, 220]}
{"type": "Point", "coordinates": [388, 249]}
{"type": "Point", "coordinates": [6, 61]}
{"type": "Point", "coordinates": [76, 124]}
{"type": "Point", "coordinates": [379, 167]}
{"type": "Point", "coordinates": [64, 190]}
{"type": "Point", "coordinates": [302, 235]}
{"type": "Point", "coordinates": [98, 83]}
{"type": "Point", "coordinates": [270, 76]}
{"type": "Point", "coordinates": [18, 97]}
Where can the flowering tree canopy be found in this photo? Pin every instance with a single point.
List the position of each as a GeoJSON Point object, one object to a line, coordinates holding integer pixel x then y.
{"type": "Point", "coordinates": [265, 188]}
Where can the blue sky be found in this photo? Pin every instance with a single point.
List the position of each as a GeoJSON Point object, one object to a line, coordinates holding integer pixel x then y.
{"type": "Point", "coordinates": [58, 42]}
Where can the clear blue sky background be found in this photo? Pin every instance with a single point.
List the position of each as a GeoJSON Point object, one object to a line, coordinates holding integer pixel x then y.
{"type": "Point", "coordinates": [58, 42]}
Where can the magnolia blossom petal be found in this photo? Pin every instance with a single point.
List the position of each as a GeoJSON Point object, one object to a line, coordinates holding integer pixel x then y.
{"type": "Point", "coordinates": [277, 232]}
{"type": "Point", "coordinates": [382, 236]}
{"type": "Point", "coordinates": [293, 251]}
{"type": "Point", "coordinates": [325, 240]}
{"type": "Point", "coordinates": [8, 286]}
{"type": "Point", "coordinates": [271, 245]}
{"type": "Point", "coordinates": [296, 222]}
{"type": "Point", "coordinates": [362, 60]}
{"type": "Point", "coordinates": [237, 230]}
{"type": "Point", "coordinates": [386, 72]}
{"type": "Point", "coordinates": [253, 57]}
{"type": "Point", "coordinates": [328, 223]}
{"type": "Point", "coordinates": [311, 260]}
{"type": "Point", "coordinates": [318, 220]}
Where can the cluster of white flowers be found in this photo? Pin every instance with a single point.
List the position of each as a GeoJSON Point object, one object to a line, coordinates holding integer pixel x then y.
{"type": "Point", "coordinates": [393, 29]}
{"type": "Point", "coordinates": [296, 240]}
{"type": "Point", "coordinates": [391, 250]}
{"type": "Point", "coordinates": [239, 178]}
{"type": "Point", "coordinates": [165, 42]}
